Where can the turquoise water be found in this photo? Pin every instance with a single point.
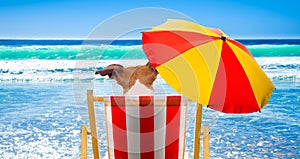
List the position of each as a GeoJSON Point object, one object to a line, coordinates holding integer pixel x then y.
{"type": "Point", "coordinates": [43, 103]}
{"type": "Point", "coordinates": [274, 50]}
{"type": "Point", "coordinates": [123, 49]}
{"type": "Point", "coordinates": [67, 52]}
{"type": "Point", "coordinates": [118, 52]}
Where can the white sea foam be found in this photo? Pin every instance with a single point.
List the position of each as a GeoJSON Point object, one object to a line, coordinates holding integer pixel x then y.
{"type": "Point", "coordinates": [281, 68]}
{"type": "Point", "coordinates": [55, 70]}
{"type": "Point", "coordinates": [277, 68]}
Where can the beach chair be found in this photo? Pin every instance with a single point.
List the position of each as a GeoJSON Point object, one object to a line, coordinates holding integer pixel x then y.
{"type": "Point", "coordinates": [143, 127]}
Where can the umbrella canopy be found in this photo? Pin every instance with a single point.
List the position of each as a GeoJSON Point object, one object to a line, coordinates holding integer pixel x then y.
{"type": "Point", "coordinates": [207, 66]}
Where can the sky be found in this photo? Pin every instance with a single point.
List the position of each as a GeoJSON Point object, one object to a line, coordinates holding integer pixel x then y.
{"type": "Point", "coordinates": [79, 18]}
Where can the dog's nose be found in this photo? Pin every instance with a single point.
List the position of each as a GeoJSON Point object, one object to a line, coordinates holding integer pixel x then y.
{"type": "Point", "coordinates": [97, 72]}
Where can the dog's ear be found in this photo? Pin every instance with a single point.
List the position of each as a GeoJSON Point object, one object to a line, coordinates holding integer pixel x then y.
{"type": "Point", "coordinates": [150, 66]}
{"type": "Point", "coordinates": [109, 70]}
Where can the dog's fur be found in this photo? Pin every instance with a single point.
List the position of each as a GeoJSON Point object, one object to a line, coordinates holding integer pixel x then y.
{"type": "Point", "coordinates": [135, 80]}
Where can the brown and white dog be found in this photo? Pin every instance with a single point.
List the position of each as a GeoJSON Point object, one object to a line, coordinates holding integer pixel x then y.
{"type": "Point", "coordinates": [135, 80]}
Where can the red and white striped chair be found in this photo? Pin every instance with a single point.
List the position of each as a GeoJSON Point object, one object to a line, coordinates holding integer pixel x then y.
{"type": "Point", "coordinates": [141, 127]}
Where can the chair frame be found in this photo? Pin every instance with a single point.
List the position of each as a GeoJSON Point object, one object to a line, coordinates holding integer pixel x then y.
{"type": "Point", "coordinates": [91, 99]}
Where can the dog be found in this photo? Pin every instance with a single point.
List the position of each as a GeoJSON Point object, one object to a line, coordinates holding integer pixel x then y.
{"type": "Point", "coordinates": [135, 80]}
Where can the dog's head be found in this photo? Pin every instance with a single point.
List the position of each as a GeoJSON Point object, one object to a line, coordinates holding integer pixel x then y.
{"type": "Point", "coordinates": [127, 76]}
{"type": "Point", "coordinates": [111, 71]}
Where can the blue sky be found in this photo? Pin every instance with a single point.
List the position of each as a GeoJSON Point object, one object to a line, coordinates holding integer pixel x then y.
{"type": "Point", "coordinates": [78, 18]}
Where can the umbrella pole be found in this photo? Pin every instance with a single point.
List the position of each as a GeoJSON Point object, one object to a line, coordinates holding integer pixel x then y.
{"type": "Point", "coordinates": [197, 134]}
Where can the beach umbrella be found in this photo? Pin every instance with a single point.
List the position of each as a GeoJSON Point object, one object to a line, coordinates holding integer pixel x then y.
{"type": "Point", "coordinates": [207, 66]}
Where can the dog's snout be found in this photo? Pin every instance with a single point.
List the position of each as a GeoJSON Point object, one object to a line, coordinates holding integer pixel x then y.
{"type": "Point", "coordinates": [105, 72]}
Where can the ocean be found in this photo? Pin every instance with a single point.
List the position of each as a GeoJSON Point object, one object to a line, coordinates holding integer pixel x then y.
{"type": "Point", "coordinates": [43, 103]}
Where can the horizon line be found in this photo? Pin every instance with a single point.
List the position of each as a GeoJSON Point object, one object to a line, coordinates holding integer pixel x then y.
{"type": "Point", "coordinates": [239, 38]}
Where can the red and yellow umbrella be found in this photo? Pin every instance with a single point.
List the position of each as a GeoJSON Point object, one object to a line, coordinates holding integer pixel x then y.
{"type": "Point", "coordinates": [207, 66]}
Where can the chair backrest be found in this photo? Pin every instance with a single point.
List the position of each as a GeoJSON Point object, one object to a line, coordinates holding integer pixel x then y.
{"type": "Point", "coordinates": [145, 126]}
